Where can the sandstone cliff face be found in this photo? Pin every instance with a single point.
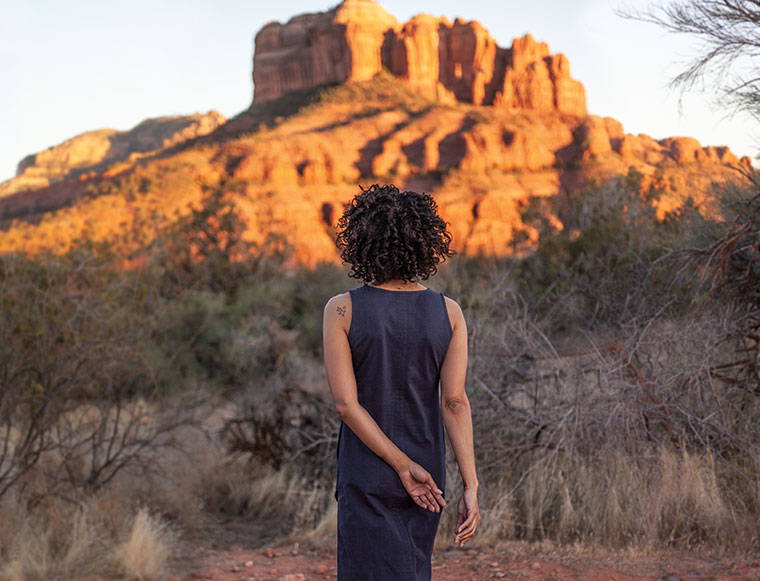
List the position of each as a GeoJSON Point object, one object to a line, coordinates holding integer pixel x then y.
{"type": "Point", "coordinates": [445, 61]}
{"type": "Point", "coordinates": [92, 152]}
{"type": "Point", "coordinates": [340, 45]}
{"type": "Point", "coordinates": [482, 164]}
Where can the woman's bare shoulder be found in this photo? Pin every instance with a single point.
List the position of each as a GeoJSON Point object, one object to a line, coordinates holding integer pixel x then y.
{"type": "Point", "coordinates": [338, 309]}
{"type": "Point", "coordinates": [452, 304]}
{"type": "Point", "coordinates": [339, 299]}
{"type": "Point", "coordinates": [454, 310]}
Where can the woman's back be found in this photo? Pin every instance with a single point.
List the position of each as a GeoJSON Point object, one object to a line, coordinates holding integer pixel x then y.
{"type": "Point", "coordinates": [398, 341]}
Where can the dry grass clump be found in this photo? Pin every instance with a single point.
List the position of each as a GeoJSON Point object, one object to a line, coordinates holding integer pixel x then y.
{"type": "Point", "coordinates": [67, 541]}
{"type": "Point", "coordinates": [674, 499]}
{"type": "Point", "coordinates": [145, 553]}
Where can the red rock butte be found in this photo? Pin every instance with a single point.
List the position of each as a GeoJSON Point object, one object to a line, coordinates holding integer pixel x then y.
{"type": "Point", "coordinates": [445, 61]}
{"type": "Point", "coordinates": [494, 134]}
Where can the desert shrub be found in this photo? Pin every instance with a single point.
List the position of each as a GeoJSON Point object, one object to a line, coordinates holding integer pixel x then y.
{"type": "Point", "coordinates": [730, 264]}
{"type": "Point", "coordinates": [75, 371]}
{"type": "Point", "coordinates": [614, 261]}
{"type": "Point", "coordinates": [219, 344]}
{"type": "Point", "coordinates": [206, 249]}
{"type": "Point", "coordinates": [625, 438]}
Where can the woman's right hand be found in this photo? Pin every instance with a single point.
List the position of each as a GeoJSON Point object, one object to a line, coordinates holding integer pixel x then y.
{"type": "Point", "coordinates": [420, 485]}
{"type": "Point", "coordinates": [468, 516]}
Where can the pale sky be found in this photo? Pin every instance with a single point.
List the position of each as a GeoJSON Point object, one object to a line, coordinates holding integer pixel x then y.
{"type": "Point", "coordinates": [74, 66]}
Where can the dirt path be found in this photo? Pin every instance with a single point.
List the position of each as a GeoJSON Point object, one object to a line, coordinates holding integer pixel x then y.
{"type": "Point", "coordinates": [294, 563]}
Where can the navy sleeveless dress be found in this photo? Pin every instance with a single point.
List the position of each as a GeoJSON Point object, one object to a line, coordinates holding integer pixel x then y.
{"type": "Point", "coordinates": [398, 343]}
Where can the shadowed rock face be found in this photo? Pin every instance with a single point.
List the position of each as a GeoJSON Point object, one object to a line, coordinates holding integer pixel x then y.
{"type": "Point", "coordinates": [445, 61]}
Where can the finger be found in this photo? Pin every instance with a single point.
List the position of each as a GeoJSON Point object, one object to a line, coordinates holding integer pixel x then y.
{"type": "Point", "coordinates": [419, 501]}
{"type": "Point", "coordinates": [418, 493]}
{"type": "Point", "coordinates": [436, 491]}
{"type": "Point", "coordinates": [433, 502]}
{"type": "Point", "coordinates": [427, 496]}
{"type": "Point", "coordinates": [432, 505]}
{"type": "Point", "coordinates": [433, 486]}
{"type": "Point", "coordinates": [424, 502]}
{"type": "Point", "coordinates": [472, 514]}
{"type": "Point", "coordinates": [468, 532]}
{"type": "Point", "coordinates": [465, 534]}
{"type": "Point", "coordinates": [467, 521]}
{"type": "Point", "coordinates": [467, 538]}
{"type": "Point", "coordinates": [464, 538]}
{"type": "Point", "coordinates": [467, 528]}
{"type": "Point", "coordinates": [438, 496]}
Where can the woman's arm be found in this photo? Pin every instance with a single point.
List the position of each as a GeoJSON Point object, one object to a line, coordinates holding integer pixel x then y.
{"type": "Point", "coordinates": [457, 417]}
{"type": "Point", "coordinates": [455, 406]}
{"type": "Point", "coordinates": [342, 381]}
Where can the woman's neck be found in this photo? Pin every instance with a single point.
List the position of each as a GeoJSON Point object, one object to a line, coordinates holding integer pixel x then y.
{"type": "Point", "coordinates": [399, 284]}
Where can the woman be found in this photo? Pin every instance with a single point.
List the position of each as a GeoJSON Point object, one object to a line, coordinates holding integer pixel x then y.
{"type": "Point", "coordinates": [388, 344]}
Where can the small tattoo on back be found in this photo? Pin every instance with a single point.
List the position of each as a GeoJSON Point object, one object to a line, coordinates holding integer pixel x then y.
{"type": "Point", "coordinates": [342, 311]}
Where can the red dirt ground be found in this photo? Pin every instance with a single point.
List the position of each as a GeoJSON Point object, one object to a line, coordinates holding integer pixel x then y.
{"type": "Point", "coordinates": [294, 563]}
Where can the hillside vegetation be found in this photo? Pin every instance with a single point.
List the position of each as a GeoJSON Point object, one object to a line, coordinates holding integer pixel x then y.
{"type": "Point", "coordinates": [290, 164]}
{"type": "Point", "coordinates": [614, 393]}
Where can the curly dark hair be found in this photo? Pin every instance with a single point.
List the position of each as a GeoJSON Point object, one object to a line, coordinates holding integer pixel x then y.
{"type": "Point", "coordinates": [387, 234]}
